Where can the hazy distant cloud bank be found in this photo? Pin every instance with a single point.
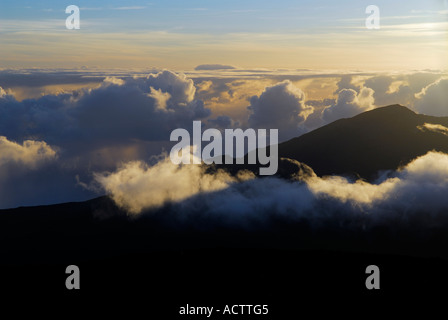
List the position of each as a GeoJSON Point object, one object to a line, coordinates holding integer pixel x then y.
{"type": "Point", "coordinates": [214, 67]}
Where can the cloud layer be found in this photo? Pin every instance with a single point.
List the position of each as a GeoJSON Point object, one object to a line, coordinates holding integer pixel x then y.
{"type": "Point", "coordinates": [416, 189]}
{"type": "Point", "coordinates": [136, 186]}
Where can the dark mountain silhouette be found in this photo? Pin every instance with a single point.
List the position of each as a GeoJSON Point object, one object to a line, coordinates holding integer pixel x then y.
{"type": "Point", "coordinates": [362, 146]}
{"type": "Point", "coordinates": [157, 262]}
{"type": "Point", "coordinates": [381, 139]}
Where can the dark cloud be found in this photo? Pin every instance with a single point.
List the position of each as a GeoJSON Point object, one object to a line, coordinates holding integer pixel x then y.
{"type": "Point", "coordinates": [321, 103]}
{"type": "Point", "coordinates": [281, 106]}
{"type": "Point", "coordinates": [223, 122]}
{"type": "Point", "coordinates": [345, 82]}
{"type": "Point", "coordinates": [137, 108]}
{"type": "Point", "coordinates": [348, 104]}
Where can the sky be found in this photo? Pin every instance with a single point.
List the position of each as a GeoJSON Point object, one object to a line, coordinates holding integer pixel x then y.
{"type": "Point", "coordinates": [180, 35]}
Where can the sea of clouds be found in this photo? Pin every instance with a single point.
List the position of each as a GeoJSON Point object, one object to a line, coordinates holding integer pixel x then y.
{"type": "Point", "coordinates": [75, 145]}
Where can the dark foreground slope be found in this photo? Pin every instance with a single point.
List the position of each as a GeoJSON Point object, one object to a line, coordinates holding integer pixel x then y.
{"type": "Point", "coordinates": [381, 139]}
{"type": "Point", "coordinates": [158, 262]}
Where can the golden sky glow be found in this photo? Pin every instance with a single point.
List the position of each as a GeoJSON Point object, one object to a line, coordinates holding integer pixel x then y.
{"type": "Point", "coordinates": [292, 35]}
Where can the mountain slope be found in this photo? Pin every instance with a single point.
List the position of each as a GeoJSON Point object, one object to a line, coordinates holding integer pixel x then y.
{"type": "Point", "coordinates": [381, 139]}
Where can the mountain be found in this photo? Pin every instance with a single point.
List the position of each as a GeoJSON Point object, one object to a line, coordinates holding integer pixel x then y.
{"type": "Point", "coordinates": [382, 139]}
{"type": "Point", "coordinates": [362, 146]}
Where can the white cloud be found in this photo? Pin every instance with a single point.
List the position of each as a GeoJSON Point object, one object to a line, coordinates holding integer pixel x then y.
{"type": "Point", "coordinates": [136, 186]}
{"type": "Point", "coordinates": [161, 98]}
{"type": "Point", "coordinates": [30, 153]}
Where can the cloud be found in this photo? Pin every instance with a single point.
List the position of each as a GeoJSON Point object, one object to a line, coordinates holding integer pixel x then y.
{"type": "Point", "coordinates": [223, 122]}
{"type": "Point", "coordinates": [432, 100]}
{"type": "Point", "coordinates": [205, 86]}
{"type": "Point", "coordinates": [416, 191]}
{"type": "Point", "coordinates": [93, 129]}
{"type": "Point", "coordinates": [136, 186]}
{"type": "Point", "coordinates": [348, 104]}
{"type": "Point", "coordinates": [281, 106]}
{"type": "Point", "coordinates": [2, 92]}
{"type": "Point", "coordinates": [437, 128]}
{"type": "Point", "coordinates": [180, 87]}
{"type": "Point", "coordinates": [389, 90]}
{"type": "Point", "coordinates": [346, 82]}
{"type": "Point", "coordinates": [30, 153]}
{"type": "Point", "coordinates": [119, 109]}
{"type": "Point", "coordinates": [214, 67]}
{"type": "Point", "coordinates": [30, 175]}
{"type": "Point", "coordinates": [122, 117]}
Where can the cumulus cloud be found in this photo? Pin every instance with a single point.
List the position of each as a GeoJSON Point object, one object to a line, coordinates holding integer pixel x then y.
{"type": "Point", "coordinates": [133, 108]}
{"type": "Point", "coordinates": [30, 153]}
{"type": "Point", "coordinates": [433, 99]}
{"type": "Point", "coordinates": [407, 90]}
{"type": "Point", "coordinates": [349, 103]}
{"type": "Point", "coordinates": [121, 119]}
{"type": "Point", "coordinates": [181, 88]}
{"type": "Point", "coordinates": [136, 186]}
{"type": "Point", "coordinates": [281, 106]}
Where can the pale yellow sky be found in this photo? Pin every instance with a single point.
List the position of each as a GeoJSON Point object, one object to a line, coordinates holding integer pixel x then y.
{"type": "Point", "coordinates": [322, 34]}
{"type": "Point", "coordinates": [401, 47]}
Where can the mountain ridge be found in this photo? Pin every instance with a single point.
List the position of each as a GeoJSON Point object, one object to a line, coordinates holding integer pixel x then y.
{"type": "Point", "coordinates": [377, 140]}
